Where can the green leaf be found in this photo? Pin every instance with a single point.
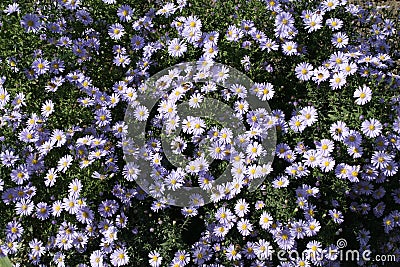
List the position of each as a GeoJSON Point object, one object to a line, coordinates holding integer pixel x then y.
{"type": "Point", "coordinates": [5, 262]}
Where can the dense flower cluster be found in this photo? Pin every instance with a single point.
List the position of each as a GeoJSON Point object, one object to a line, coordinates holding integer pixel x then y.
{"type": "Point", "coordinates": [328, 70]}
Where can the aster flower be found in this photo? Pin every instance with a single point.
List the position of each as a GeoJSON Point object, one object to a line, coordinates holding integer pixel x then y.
{"type": "Point", "coordinates": [121, 60]}
{"type": "Point", "coordinates": [24, 207]}
{"type": "Point", "coordinates": [75, 187]}
{"type": "Point", "coordinates": [12, 8]}
{"type": "Point", "coordinates": [264, 91]}
{"type": "Point", "coordinates": [40, 66]}
{"type": "Point", "coordinates": [31, 23]}
{"type": "Point", "coordinates": [289, 48]}
{"type": "Point", "coordinates": [284, 238]}
{"type": "Point", "coordinates": [313, 227]}
{"type": "Point", "coordinates": [263, 249]}
{"type": "Point", "coordinates": [155, 259]}
{"type": "Point", "coordinates": [176, 48]}
{"type": "Point", "coordinates": [340, 40]}
{"type": "Point", "coordinates": [266, 220]}
{"type": "Point", "coordinates": [371, 128]}
{"type": "Point", "coordinates": [337, 81]}
{"type": "Point", "coordinates": [338, 130]}
{"type": "Point", "coordinates": [336, 216]}
{"type": "Point", "coordinates": [297, 123]}
{"type": "Point", "coordinates": [381, 159]}
{"type": "Point", "coordinates": [363, 95]}
{"type": "Point", "coordinates": [244, 227]}
{"type": "Point", "coordinates": [47, 108]}
{"type": "Point", "coordinates": [269, 45]}
{"type": "Point", "coordinates": [116, 31]}
{"type": "Point", "coordinates": [353, 138]}
{"type": "Point", "coordinates": [14, 230]}
{"type": "Point", "coordinates": [119, 257]}
{"type": "Point", "coordinates": [280, 182]}
{"type": "Point", "coordinates": [125, 13]}
{"type": "Point", "coordinates": [42, 211]}
{"type": "Point", "coordinates": [234, 34]}
{"type": "Point", "coordinates": [64, 163]}
{"type": "Point", "coordinates": [313, 23]}
{"type": "Point", "coordinates": [310, 115]}
{"type": "Point", "coordinates": [334, 23]}
{"type": "Point", "coordinates": [348, 68]}
{"type": "Point", "coordinates": [320, 74]}
{"type": "Point", "coordinates": [304, 71]}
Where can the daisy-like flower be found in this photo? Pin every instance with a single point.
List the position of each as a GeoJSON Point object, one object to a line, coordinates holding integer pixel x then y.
{"type": "Point", "coordinates": [348, 68]}
{"type": "Point", "coordinates": [338, 80]}
{"type": "Point", "coordinates": [141, 113]}
{"type": "Point", "coordinates": [297, 123]}
{"type": "Point", "coordinates": [51, 177]}
{"type": "Point", "coordinates": [195, 100]}
{"type": "Point", "coordinates": [310, 114]}
{"type": "Point", "coordinates": [124, 13]}
{"type": "Point", "coordinates": [339, 130]}
{"type": "Point", "coordinates": [254, 150]}
{"type": "Point", "coordinates": [176, 48]}
{"type": "Point", "coordinates": [336, 216]}
{"type": "Point", "coordinates": [174, 181]}
{"type": "Point", "coordinates": [352, 173]}
{"type": "Point", "coordinates": [280, 182]}
{"type": "Point", "coordinates": [289, 48]}
{"type": "Point", "coordinates": [97, 258]}
{"type": "Point", "coordinates": [329, 5]}
{"type": "Point", "coordinates": [40, 66]}
{"type": "Point", "coordinates": [304, 71]}
{"type": "Point", "coordinates": [210, 50]}
{"type": "Point", "coordinates": [363, 95]}
{"type": "Point", "coordinates": [47, 108]}
{"type": "Point", "coordinates": [57, 208]}
{"type": "Point", "coordinates": [334, 23]}
{"type": "Point", "coordinates": [232, 254]}
{"type": "Point", "coordinates": [75, 187]}
{"type": "Point", "coordinates": [233, 33]}
{"type": "Point", "coordinates": [241, 208]}
{"type": "Point", "coordinates": [14, 230]}
{"type": "Point", "coordinates": [381, 159]}
{"type": "Point", "coordinates": [371, 128]}
{"type": "Point", "coordinates": [116, 31]}
{"type": "Point", "coordinates": [266, 220]}
{"type": "Point", "coordinates": [353, 138]}
{"type": "Point", "coordinates": [166, 10]}
{"type": "Point", "coordinates": [121, 60]}
{"type": "Point", "coordinates": [269, 45]}
{"type": "Point", "coordinates": [264, 91]}
{"type": "Point", "coordinates": [263, 249]}
{"type": "Point", "coordinates": [24, 207]}
{"type": "Point", "coordinates": [64, 163]}
{"type": "Point", "coordinates": [59, 137]}
{"type": "Point", "coordinates": [42, 211]}
{"type": "Point", "coordinates": [31, 23]}
{"type": "Point", "coordinates": [340, 40]}
{"type": "Point", "coordinates": [355, 151]}
{"type": "Point", "coordinates": [244, 227]}
{"type": "Point", "coordinates": [12, 8]}
{"type": "Point", "coordinates": [325, 146]}
{"type": "Point", "coordinates": [320, 74]}
{"type": "Point", "coordinates": [298, 229]}
{"type": "Point", "coordinates": [119, 257]}
{"type": "Point", "coordinates": [313, 23]}
{"type": "Point", "coordinates": [155, 259]}
{"type": "Point", "coordinates": [313, 227]}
